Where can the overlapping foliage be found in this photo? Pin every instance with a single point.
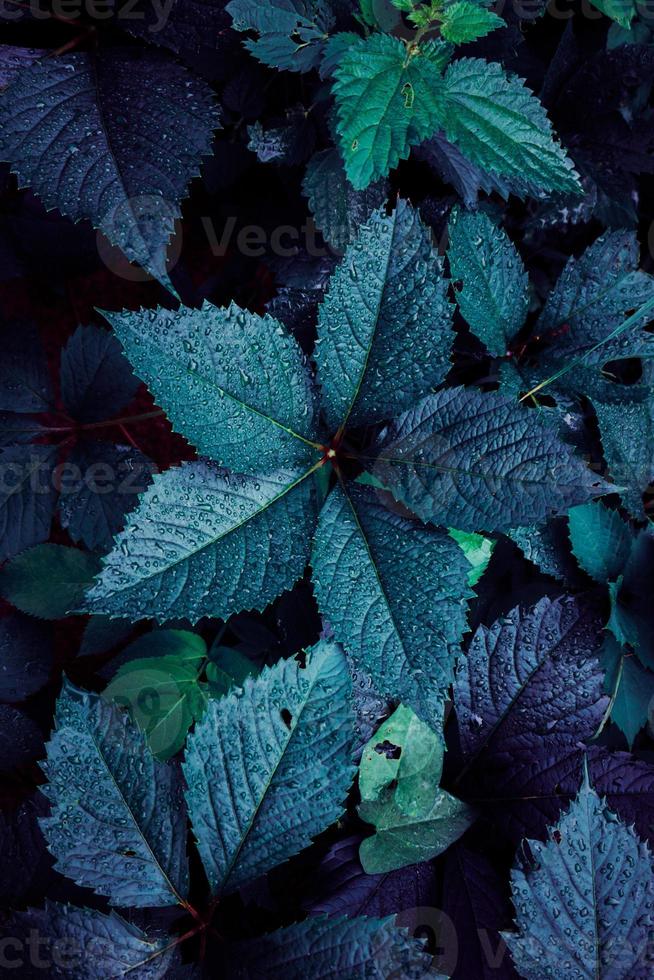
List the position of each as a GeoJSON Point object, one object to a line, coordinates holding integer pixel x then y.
{"type": "Point", "coordinates": [327, 619]}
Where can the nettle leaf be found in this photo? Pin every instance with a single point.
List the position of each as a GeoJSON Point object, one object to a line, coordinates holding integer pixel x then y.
{"type": "Point", "coordinates": [585, 900]}
{"type": "Point", "coordinates": [48, 581]}
{"type": "Point", "coordinates": [128, 839]}
{"type": "Point", "coordinates": [601, 540]}
{"type": "Point", "coordinates": [96, 377]}
{"type": "Point", "coordinates": [627, 431]}
{"type": "Point", "coordinates": [205, 542]}
{"type": "Point", "coordinates": [501, 126]}
{"type": "Point", "coordinates": [466, 178]}
{"type": "Point", "coordinates": [28, 497]}
{"type": "Point", "coordinates": [394, 593]}
{"type": "Point", "coordinates": [527, 695]}
{"type": "Point", "coordinates": [114, 136]}
{"type": "Point", "coordinates": [464, 21]}
{"type": "Point", "coordinates": [621, 11]}
{"type": "Point", "coordinates": [388, 99]}
{"type": "Point", "coordinates": [26, 656]}
{"type": "Point", "coordinates": [491, 282]}
{"type": "Point", "coordinates": [268, 768]}
{"type": "Point", "coordinates": [591, 299]}
{"type": "Point", "coordinates": [385, 326]}
{"type": "Point", "coordinates": [104, 484]}
{"type": "Point", "coordinates": [163, 694]}
{"type": "Point", "coordinates": [331, 948]}
{"type": "Point", "coordinates": [480, 462]}
{"type": "Point", "coordinates": [339, 210]}
{"type": "Point", "coordinates": [102, 945]}
{"type": "Point", "coordinates": [399, 782]}
{"type": "Point", "coordinates": [291, 33]}
{"type": "Point", "coordinates": [234, 383]}
{"type": "Point", "coordinates": [25, 384]}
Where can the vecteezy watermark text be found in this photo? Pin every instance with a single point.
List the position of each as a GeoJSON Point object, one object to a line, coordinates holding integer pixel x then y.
{"type": "Point", "coordinates": [154, 13]}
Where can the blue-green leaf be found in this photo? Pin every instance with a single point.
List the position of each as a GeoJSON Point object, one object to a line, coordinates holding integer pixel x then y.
{"type": "Point", "coordinates": [480, 462]}
{"type": "Point", "coordinates": [113, 135]}
{"type": "Point", "coordinates": [630, 686]}
{"type": "Point", "coordinates": [601, 541]}
{"type": "Point", "coordinates": [290, 33]}
{"type": "Point", "coordinates": [332, 949]}
{"type": "Point", "coordinates": [399, 781]}
{"type": "Point", "coordinates": [388, 99]}
{"type": "Point", "coordinates": [234, 383]}
{"type": "Point", "coordinates": [385, 326]}
{"type": "Point", "coordinates": [48, 581]}
{"type": "Point", "coordinates": [206, 542]}
{"type": "Point", "coordinates": [501, 126]}
{"type": "Point", "coordinates": [464, 21]}
{"type": "Point", "coordinates": [117, 823]}
{"type": "Point", "coordinates": [627, 429]}
{"type": "Point", "coordinates": [394, 593]}
{"type": "Point", "coordinates": [268, 768]}
{"type": "Point", "coordinates": [585, 901]}
{"type": "Point", "coordinates": [491, 282]}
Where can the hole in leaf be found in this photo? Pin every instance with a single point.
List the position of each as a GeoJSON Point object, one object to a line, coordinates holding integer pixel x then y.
{"type": "Point", "coordinates": [287, 717]}
{"type": "Point", "coordinates": [388, 749]}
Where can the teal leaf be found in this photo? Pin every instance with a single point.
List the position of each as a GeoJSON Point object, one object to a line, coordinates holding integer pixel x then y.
{"type": "Point", "coordinates": [478, 551]}
{"type": "Point", "coordinates": [399, 782]}
{"type": "Point", "coordinates": [100, 945]}
{"type": "Point", "coordinates": [385, 326]}
{"type": "Point", "coordinates": [480, 462]}
{"type": "Point", "coordinates": [627, 430]}
{"type": "Point", "coordinates": [28, 496]}
{"type": "Point", "coordinates": [464, 21]}
{"type": "Point", "coordinates": [117, 823]}
{"type": "Point", "coordinates": [630, 686]}
{"type": "Point", "coordinates": [338, 210]}
{"type": "Point", "coordinates": [113, 135]}
{"type": "Point", "coordinates": [501, 126]}
{"type": "Point", "coordinates": [388, 100]}
{"type": "Point", "coordinates": [163, 694]}
{"type": "Point", "coordinates": [268, 768]}
{"type": "Point", "coordinates": [591, 299]}
{"type": "Point", "coordinates": [394, 593]}
{"type": "Point", "coordinates": [332, 948]}
{"type": "Point", "coordinates": [601, 541]}
{"type": "Point", "coordinates": [620, 11]}
{"type": "Point", "coordinates": [206, 542]}
{"type": "Point", "coordinates": [290, 33]}
{"type": "Point", "coordinates": [491, 282]}
{"type": "Point", "coordinates": [585, 900]}
{"type": "Point", "coordinates": [48, 581]}
{"type": "Point", "coordinates": [235, 384]}
{"type": "Point", "coordinates": [547, 546]}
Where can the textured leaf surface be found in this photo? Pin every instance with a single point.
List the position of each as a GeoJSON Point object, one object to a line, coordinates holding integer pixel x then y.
{"type": "Point", "coordinates": [585, 904]}
{"type": "Point", "coordinates": [104, 484]}
{"type": "Point", "coordinates": [493, 285]}
{"type": "Point", "coordinates": [465, 21]}
{"type": "Point", "coordinates": [601, 541]}
{"type": "Point", "coordinates": [387, 102]}
{"type": "Point", "coordinates": [527, 695]}
{"type": "Point", "coordinates": [27, 497]}
{"type": "Point", "coordinates": [291, 33]}
{"type": "Point", "coordinates": [96, 379]}
{"type": "Point", "coordinates": [205, 542]}
{"type": "Point", "coordinates": [49, 580]}
{"type": "Point", "coordinates": [268, 769]}
{"type": "Point", "coordinates": [338, 209]}
{"type": "Point", "coordinates": [501, 126]}
{"type": "Point", "coordinates": [117, 823]}
{"type": "Point", "coordinates": [627, 431]}
{"type": "Point", "coordinates": [592, 297]}
{"type": "Point", "coordinates": [394, 593]}
{"type": "Point", "coordinates": [114, 137]}
{"type": "Point", "coordinates": [399, 782]}
{"type": "Point", "coordinates": [479, 462]}
{"type": "Point", "coordinates": [631, 687]}
{"type": "Point", "coordinates": [234, 383]}
{"type": "Point", "coordinates": [118, 947]}
{"type": "Point", "coordinates": [332, 948]}
{"type": "Point", "coordinates": [385, 326]}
